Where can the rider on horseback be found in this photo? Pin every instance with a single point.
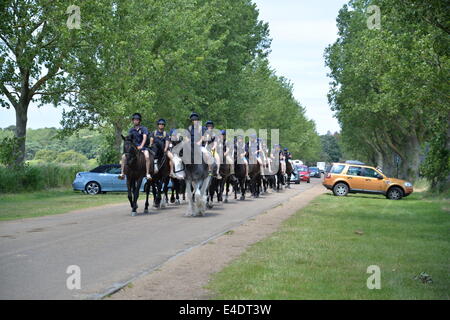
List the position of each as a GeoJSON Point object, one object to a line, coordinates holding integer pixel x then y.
{"type": "Point", "coordinates": [227, 151]}
{"type": "Point", "coordinates": [241, 150]}
{"type": "Point", "coordinates": [287, 155]}
{"type": "Point", "coordinates": [197, 133]}
{"type": "Point", "coordinates": [278, 151]}
{"type": "Point", "coordinates": [254, 146]}
{"type": "Point", "coordinates": [211, 141]}
{"type": "Point", "coordinates": [159, 139]}
{"type": "Point", "coordinates": [141, 141]}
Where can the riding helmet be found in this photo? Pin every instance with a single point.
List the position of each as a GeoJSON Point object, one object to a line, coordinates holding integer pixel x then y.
{"type": "Point", "coordinates": [161, 121]}
{"type": "Point", "coordinates": [136, 116]}
{"type": "Point", "coordinates": [194, 116]}
{"type": "Point", "coordinates": [209, 123]}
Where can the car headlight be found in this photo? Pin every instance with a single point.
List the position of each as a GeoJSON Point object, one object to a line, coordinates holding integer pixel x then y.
{"type": "Point", "coordinates": [408, 184]}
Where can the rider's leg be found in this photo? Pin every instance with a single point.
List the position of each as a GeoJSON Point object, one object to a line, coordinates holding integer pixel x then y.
{"type": "Point", "coordinates": [216, 156]}
{"type": "Point", "coordinates": [246, 169]}
{"type": "Point", "coordinates": [208, 158]}
{"type": "Point", "coordinates": [171, 164]}
{"type": "Point", "coordinates": [283, 167]}
{"type": "Point", "coordinates": [261, 167]}
{"type": "Point", "coordinates": [147, 164]}
{"type": "Point", "coordinates": [230, 162]}
{"type": "Point", "coordinates": [123, 161]}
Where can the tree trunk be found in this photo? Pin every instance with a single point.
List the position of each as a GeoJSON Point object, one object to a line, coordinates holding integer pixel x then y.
{"type": "Point", "coordinates": [409, 167]}
{"type": "Point", "coordinates": [21, 129]}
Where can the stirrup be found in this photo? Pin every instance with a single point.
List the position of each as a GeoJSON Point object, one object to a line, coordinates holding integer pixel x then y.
{"type": "Point", "coordinates": [148, 176]}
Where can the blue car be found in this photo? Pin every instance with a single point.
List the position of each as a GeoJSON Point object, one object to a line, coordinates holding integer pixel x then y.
{"type": "Point", "coordinates": [101, 180]}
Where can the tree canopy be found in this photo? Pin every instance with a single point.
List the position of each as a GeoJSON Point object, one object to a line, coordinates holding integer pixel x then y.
{"type": "Point", "coordinates": [390, 85]}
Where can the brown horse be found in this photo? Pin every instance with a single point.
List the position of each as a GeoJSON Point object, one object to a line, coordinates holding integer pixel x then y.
{"type": "Point", "coordinates": [135, 172]}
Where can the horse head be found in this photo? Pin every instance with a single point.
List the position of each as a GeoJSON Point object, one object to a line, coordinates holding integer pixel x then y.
{"type": "Point", "coordinates": [129, 149]}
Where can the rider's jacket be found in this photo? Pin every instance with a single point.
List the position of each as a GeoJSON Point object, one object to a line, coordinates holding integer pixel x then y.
{"type": "Point", "coordinates": [253, 147]}
{"type": "Point", "coordinates": [210, 137]}
{"type": "Point", "coordinates": [160, 136]}
{"type": "Point", "coordinates": [199, 134]}
{"type": "Point", "coordinates": [138, 135]}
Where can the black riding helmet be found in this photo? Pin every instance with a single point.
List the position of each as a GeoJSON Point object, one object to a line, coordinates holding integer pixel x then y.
{"type": "Point", "coordinates": [136, 116]}
{"type": "Point", "coordinates": [194, 116]}
{"type": "Point", "coordinates": [161, 121]}
{"type": "Point", "coordinates": [209, 123]}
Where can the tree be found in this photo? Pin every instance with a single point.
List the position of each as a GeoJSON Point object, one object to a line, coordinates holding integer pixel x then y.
{"type": "Point", "coordinates": [46, 155]}
{"type": "Point", "coordinates": [330, 148]}
{"type": "Point", "coordinates": [389, 85]}
{"type": "Point", "coordinates": [36, 48]}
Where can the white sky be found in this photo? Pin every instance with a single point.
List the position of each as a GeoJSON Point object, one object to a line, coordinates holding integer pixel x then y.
{"type": "Point", "coordinates": [300, 31]}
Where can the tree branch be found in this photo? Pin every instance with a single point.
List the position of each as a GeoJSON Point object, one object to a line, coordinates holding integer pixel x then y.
{"type": "Point", "coordinates": [7, 43]}
{"type": "Point", "coordinates": [9, 96]}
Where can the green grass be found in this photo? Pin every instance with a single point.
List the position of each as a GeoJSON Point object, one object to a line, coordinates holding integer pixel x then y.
{"type": "Point", "coordinates": [316, 254]}
{"type": "Point", "coordinates": [53, 201]}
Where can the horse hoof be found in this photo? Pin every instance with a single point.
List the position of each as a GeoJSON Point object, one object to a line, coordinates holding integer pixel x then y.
{"type": "Point", "coordinates": [146, 211]}
{"type": "Point", "coordinates": [133, 213]}
{"type": "Point", "coordinates": [177, 202]}
{"type": "Point", "coordinates": [242, 198]}
{"type": "Point", "coordinates": [225, 201]}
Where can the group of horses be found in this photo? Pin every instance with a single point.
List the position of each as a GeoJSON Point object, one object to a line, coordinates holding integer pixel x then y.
{"type": "Point", "coordinates": [194, 181]}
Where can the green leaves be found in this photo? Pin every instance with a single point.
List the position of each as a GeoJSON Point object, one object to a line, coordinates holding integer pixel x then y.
{"type": "Point", "coordinates": [389, 83]}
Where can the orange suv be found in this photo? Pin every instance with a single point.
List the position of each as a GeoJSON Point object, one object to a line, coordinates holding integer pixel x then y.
{"type": "Point", "coordinates": [344, 178]}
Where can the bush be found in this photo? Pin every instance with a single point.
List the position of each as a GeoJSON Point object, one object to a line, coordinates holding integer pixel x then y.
{"type": "Point", "coordinates": [46, 155]}
{"type": "Point", "coordinates": [39, 177]}
{"type": "Point", "coordinates": [71, 157]}
{"type": "Point", "coordinates": [9, 150]}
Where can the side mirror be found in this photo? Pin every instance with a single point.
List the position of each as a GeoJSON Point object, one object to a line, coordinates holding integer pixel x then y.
{"type": "Point", "coordinates": [380, 177]}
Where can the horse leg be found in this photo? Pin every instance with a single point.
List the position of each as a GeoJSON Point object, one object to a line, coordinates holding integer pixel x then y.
{"type": "Point", "coordinates": [155, 194]}
{"type": "Point", "coordinates": [147, 192]}
{"type": "Point", "coordinates": [136, 186]}
{"type": "Point", "coordinates": [190, 199]}
{"type": "Point", "coordinates": [242, 187]}
{"type": "Point", "coordinates": [130, 197]}
{"type": "Point", "coordinates": [174, 189]}
{"type": "Point", "coordinates": [202, 196]}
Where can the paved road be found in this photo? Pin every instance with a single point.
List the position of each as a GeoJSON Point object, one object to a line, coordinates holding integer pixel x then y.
{"type": "Point", "coordinates": [109, 245]}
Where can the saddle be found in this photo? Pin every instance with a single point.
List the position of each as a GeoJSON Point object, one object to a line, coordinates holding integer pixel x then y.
{"type": "Point", "coordinates": [159, 162]}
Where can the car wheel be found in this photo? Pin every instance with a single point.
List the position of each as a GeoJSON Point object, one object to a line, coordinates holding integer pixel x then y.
{"type": "Point", "coordinates": [395, 193]}
{"type": "Point", "coordinates": [92, 188]}
{"type": "Point", "coordinates": [340, 189]}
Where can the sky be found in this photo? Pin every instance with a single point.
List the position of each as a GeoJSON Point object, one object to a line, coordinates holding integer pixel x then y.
{"type": "Point", "coordinates": [300, 32]}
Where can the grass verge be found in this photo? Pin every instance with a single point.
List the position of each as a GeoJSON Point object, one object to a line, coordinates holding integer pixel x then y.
{"type": "Point", "coordinates": [324, 250]}
{"type": "Point", "coordinates": [54, 201]}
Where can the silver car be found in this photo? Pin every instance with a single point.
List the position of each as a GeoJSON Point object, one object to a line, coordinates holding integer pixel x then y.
{"type": "Point", "coordinates": [101, 180]}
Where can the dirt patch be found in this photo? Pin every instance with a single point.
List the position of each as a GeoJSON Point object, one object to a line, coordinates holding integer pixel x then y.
{"type": "Point", "coordinates": [185, 276]}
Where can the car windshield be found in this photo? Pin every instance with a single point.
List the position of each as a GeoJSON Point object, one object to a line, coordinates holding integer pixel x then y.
{"type": "Point", "coordinates": [313, 169]}
{"type": "Point", "coordinates": [302, 168]}
{"type": "Point", "coordinates": [100, 169]}
{"type": "Point", "coordinates": [337, 168]}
